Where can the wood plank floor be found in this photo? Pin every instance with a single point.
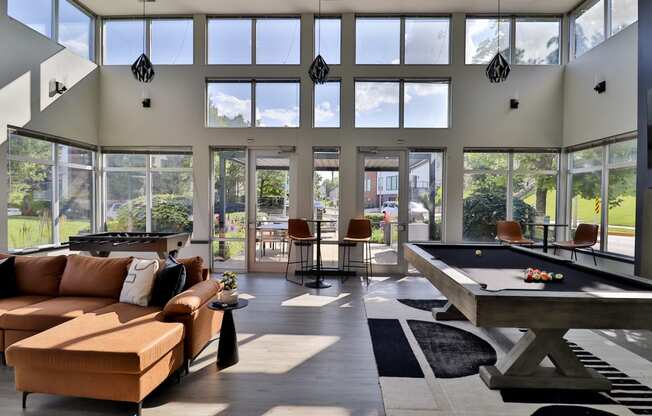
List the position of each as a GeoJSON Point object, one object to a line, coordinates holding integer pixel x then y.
{"type": "Point", "coordinates": [300, 354]}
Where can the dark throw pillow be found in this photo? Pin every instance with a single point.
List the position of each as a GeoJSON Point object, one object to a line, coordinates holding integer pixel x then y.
{"type": "Point", "coordinates": [8, 286]}
{"type": "Point", "coordinates": [169, 282]}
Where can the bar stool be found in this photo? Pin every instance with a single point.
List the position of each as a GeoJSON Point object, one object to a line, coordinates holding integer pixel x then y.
{"type": "Point", "coordinates": [299, 234]}
{"type": "Point", "coordinates": [359, 232]}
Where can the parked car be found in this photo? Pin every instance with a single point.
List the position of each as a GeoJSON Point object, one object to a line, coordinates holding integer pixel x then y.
{"type": "Point", "coordinates": [418, 212]}
{"type": "Point", "coordinates": [14, 212]}
{"type": "Point", "coordinates": [391, 208]}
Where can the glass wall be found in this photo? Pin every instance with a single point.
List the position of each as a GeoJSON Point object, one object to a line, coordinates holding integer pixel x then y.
{"type": "Point", "coordinates": [328, 39]}
{"type": "Point", "coordinates": [148, 192]}
{"type": "Point", "coordinates": [520, 186]}
{"type": "Point", "coordinates": [426, 206]}
{"type": "Point", "coordinates": [326, 197]}
{"type": "Point", "coordinates": [596, 20]}
{"type": "Point", "coordinates": [51, 192]}
{"type": "Point", "coordinates": [327, 105]}
{"type": "Point", "coordinates": [171, 41]}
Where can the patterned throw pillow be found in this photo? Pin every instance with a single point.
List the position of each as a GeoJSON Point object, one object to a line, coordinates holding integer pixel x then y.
{"type": "Point", "coordinates": [8, 277]}
{"type": "Point", "coordinates": [170, 281]}
{"type": "Point", "coordinates": [137, 287]}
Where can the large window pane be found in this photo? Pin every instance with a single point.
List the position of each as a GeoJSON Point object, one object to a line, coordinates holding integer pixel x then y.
{"type": "Point", "coordinates": [328, 39]}
{"type": "Point", "coordinates": [272, 200]}
{"type": "Point", "coordinates": [589, 27]}
{"type": "Point", "coordinates": [482, 39]}
{"type": "Point", "coordinates": [427, 40]}
{"type": "Point", "coordinates": [425, 105]}
{"type": "Point", "coordinates": [171, 41]}
{"type": "Point", "coordinates": [123, 41]}
{"type": "Point", "coordinates": [586, 204]}
{"type": "Point", "coordinates": [426, 196]}
{"type": "Point", "coordinates": [166, 161]}
{"type": "Point", "coordinates": [72, 155]}
{"type": "Point", "coordinates": [327, 104]}
{"type": "Point", "coordinates": [376, 104]}
{"type": "Point", "coordinates": [37, 14]}
{"type": "Point", "coordinates": [326, 196]}
{"type": "Point", "coordinates": [171, 201]}
{"type": "Point", "coordinates": [278, 41]}
{"type": "Point", "coordinates": [30, 205]}
{"type": "Point", "coordinates": [125, 161]}
{"type": "Point", "coordinates": [125, 201]}
{"type": "Point", "coordinates": [27, 147]}
{"type": "Point", "coordinates": [229, 41]}
{"type": "Point", "coordinates": [588, 158]}
{"type": "Point", "coordinates": [76, 202]}
{"type": "Point", "coordinates": [378, 41]}
{"type": "Point", "coordinates": [485, 202]}
{"type": "Point", "coordinates": [537, 42]}
{"type": "Point", "coordinates": [229, 104]}
{"type": "Point", "coordinates": [622, 211]}
{"type": "Point", "coordinates": [623, 14]}
{"type": "Point", "coordinates": [75, 29]}
{"type": "Point", "coordinates": [485, 161]}
{"type": "Point", "coordinates": [277, 104]}
{"type": "Point", "coordinates": [623, 152]}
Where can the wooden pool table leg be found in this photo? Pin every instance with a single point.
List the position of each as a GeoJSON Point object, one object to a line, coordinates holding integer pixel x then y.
{"type": "Point", "coordinates": [521, 368]}
{"type": "Point", "coordinates": [448, 313]}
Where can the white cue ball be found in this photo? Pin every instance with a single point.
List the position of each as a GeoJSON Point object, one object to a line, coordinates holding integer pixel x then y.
{"type": "Point", "coordinates": [478, 253]}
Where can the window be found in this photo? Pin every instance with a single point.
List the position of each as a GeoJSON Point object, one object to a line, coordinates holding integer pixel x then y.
{"type": "Point", "coordinates": [51, 192]}
{"type": "Point", "coordinates": [326, 197]}
{"type": "Point", "coordinates": [278, 41]}
{"type": "Point", "coordinates": [426, 196]}
{"type": "Point", "coordinates": [277, 104]}
{"type": "Point", "coordinates": [588, 27]}
{"type": "Point", "coordinates": [76, 29]}
{"type": "Point", "coordinates": [377, 103]}
{"type": "Point", "coordinates": [328, 39]}
{"type": "Point", "coordinates": [229, 104]}
{"type": "Point", "coordinates": [37, 14]}
{"type": "Point", "coordinates": [378, 41]}
{"type": "Point", "coordinates": [482, 34]}
{"type": "Point", "coordinates": [537, 42]}
{"type": "Point", "coordinates": [391, 183]}
{"type": "Point", "coordinates": [623, 14]}
{"type": "Point", "coordinates": [425, 104]}
{"type": "Point", "coordinates": [508, 185]}
{"type": "Point", "coordinates": [229, 41]}
{"type": "Point", "coordinates": [427, 40]}
{"type": "Point", "coordinates": [123, 41]}
{"type": "Point", "coordinates": [148, 192]}
{"type": "Point", "coordinates": [604, 178]}
{"type": "Point", "coordinates": [327, 104]}
{"type": "Point", "coordinates": [73, 29]}
{"type": "Point", "coordinates": [171, 41]}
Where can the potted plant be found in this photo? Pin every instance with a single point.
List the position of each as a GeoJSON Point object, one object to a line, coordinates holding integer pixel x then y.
{"type": "Point", "coordinates": [229, 293]}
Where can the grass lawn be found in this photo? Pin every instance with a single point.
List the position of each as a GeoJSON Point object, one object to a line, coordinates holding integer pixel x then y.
{"type": "Point", "coordinates": [26, 232]}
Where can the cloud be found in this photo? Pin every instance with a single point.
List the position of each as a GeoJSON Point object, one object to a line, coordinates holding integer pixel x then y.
{"type": "Point", "coordinates": [424, 89]}
{"type": "Point", "coordinates": [272, 117]}
{"type": "Point", "coordinates": [370, 96]}
{"type": "Point", "coordinates": [324, 112]}
{"type": "Point", "coordinates": [231, 106]}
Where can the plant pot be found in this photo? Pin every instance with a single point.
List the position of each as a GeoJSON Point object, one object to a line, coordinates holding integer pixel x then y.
{"type": "Point", "coordinates": [229, 297]}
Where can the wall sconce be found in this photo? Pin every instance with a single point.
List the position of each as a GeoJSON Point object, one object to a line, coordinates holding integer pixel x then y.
{"type": "Point", "coordinates": [514, 103]}
{"type": "Point", "coordinates": [56, 88]}
{"type": "Point", "coordinates": [600, 87]}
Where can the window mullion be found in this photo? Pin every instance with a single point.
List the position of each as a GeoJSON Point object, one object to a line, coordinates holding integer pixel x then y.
{"type": "Point", "coordinates": [607, 19]}
{"type": "Point", "coordinates": [55, 197]}
{"type": "Point", "coordinates": [55, 20]}
{"type": "Point", "coordinates": [253, 42]}
{"type": "Point", "coordinates": [148, 195]}
{"type": "Point", "coordinates": [509, 215]}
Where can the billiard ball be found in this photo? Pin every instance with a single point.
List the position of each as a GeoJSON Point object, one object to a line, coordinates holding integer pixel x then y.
{"type": "Point", "coordinates": [478, 253]}
{"type": "Point", "coordinates": [559, 276]}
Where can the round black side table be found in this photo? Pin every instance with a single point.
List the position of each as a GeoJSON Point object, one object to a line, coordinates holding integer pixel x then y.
{"type": "Point", "coordinates": [227, 349]}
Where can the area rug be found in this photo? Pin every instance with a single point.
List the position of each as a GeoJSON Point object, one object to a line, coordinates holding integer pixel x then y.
{"type": "Point", "coordinates": [450, 353]}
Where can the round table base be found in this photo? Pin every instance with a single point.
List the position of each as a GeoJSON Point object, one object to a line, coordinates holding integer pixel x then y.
{"type": "Point", "coordinates": [318, 284]}
{"type": "Point", "coordinates": [227, 350]}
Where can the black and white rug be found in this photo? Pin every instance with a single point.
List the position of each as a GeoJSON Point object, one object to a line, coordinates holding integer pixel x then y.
{"type": "Point", "coordinates": [430, 368]}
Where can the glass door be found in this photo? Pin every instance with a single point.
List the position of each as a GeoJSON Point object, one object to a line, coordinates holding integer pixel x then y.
{"type": "Point", "coordinates": [384, 190]}
{"type": "Point", "coordinates": [229, 202]}
{"type": "Point", "coordinates": [270, 185]}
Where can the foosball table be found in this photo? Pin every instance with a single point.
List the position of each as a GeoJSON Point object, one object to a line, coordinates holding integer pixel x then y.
{"type": "Point", "coordinates": [102, 244]}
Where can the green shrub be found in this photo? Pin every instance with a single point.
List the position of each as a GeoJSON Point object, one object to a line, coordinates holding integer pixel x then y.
{"type": "Point", "coordinates": [170, 213]}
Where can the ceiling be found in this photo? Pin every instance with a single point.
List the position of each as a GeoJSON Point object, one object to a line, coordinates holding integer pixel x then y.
{"type": "Point", "coordinates": [134, 7]}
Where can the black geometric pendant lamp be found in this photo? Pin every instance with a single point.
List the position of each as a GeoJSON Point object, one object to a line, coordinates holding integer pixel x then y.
{"type": "Point", "coordinates": [498, 69]}
{"type": "Point", "coordinates": [142, 68]}
{"type": "Point", "coordinates": [319, 69]}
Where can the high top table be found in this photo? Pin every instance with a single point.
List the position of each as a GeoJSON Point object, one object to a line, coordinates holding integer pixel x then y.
{"type": "Point", "coordinates": [318, 270]}
{"type": "Point", "coordinates": [546, 227]}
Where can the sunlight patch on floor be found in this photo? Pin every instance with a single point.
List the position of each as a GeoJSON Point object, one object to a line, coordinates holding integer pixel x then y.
{"type": "Point", "coordinates": [246, 296]}
{"type": "Point", "coordinates": [315, 301]}
{"type": "Point", "coordinates": [186, 408]}
{"type": "Point", "coordinates": [307, 410]}
{"type": "Point", "coordinates": [279, 353]}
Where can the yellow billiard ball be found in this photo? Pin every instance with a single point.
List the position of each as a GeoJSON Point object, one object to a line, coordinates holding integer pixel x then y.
{"type": "Point", "coordinates": [478, 253]}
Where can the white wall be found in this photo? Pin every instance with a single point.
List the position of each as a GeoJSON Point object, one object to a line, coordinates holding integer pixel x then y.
{"type": "Point", "coordinates": [591, 116]}
{"type": "Point", "coordinates": [481, 116]}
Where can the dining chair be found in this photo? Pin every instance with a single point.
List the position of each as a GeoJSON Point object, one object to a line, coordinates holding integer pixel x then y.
{"type": "Point", "coordinates": [586, 236]}
{"type": "Point", "coordinates": [510, 232]}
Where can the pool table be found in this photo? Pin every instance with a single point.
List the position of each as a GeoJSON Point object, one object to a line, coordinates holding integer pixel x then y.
{"type": "Point", "coordinates": [485, 284]}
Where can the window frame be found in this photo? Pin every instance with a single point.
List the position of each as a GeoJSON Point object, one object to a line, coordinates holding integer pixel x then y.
{"type": "Point", "coordinates": [402, 18]}
{"type": "Point", "coordinates": [148, 170]}
{"type": "Point", "coordinates": [55, 167]}
{"type": "Point", "coordinates": [401, 102]}
{"type": "Point", "coordinates": [513, 18]}
{"type": "Point", "coordinates": [252, 82]}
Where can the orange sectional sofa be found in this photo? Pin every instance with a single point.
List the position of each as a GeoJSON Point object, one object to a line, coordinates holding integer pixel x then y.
{"type": "Point", "coordinates": [65, 332]}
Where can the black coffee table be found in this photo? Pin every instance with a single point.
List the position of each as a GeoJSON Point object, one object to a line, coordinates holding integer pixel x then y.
{"type": "Point", "coordinates": [227, 349]}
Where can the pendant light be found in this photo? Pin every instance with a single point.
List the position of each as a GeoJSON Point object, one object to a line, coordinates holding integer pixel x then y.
{"type": "Point", "coordinates": [142, 68]}
{"type": "Point", "coordinates": [498, 69]}
{"type": "Point", "coordinates": [319, 69]}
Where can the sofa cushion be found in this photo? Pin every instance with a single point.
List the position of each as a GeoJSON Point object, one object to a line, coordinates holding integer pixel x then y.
{"type": "Point", "coordinates": [169, 282]}
{"type": "Point", "coordinates": [38, 275]}
{"type": "Point", "coordinates": [44, 315]}
{"type": "Point", "coordinates": [121, 338]}
{"type": "Point", "coordinates": [93, 276]}
{"type": "Point", "coordinates": [8, 286]}
{"type": "Point", "coordinates": [194, 270]}
{"type": "Point", "coordinates": [138, 285]}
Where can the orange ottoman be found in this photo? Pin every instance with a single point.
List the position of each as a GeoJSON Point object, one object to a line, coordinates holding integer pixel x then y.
{"type": "Point", "coordinates": [121, 352]}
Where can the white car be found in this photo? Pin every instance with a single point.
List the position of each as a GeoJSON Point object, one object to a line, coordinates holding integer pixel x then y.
{"type": "Point", "coordinates": [418, 212]}
{"type": "Point", "coordinates": [391, 208]}
{"type": "Point", "coordinates": [13, 212]}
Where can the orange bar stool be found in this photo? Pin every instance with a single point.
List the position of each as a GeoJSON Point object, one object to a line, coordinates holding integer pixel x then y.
{"type": "Point", "coordinates": [359, 232]}
{"type": "Point", "coordinates": [299, 234]}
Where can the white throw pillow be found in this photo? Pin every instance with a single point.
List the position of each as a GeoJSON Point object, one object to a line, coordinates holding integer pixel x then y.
{"type": "Point", "coordinates": [137, 288]}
